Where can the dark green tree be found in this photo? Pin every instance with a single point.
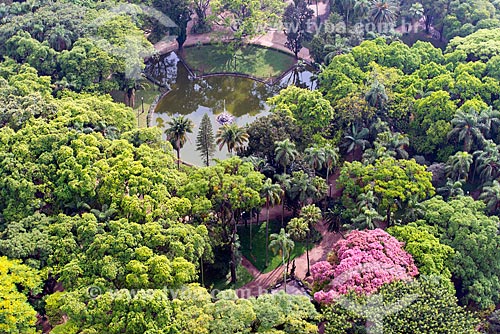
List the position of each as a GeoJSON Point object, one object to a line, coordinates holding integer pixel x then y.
{"type": "Point", "coordinates": [205, 141]}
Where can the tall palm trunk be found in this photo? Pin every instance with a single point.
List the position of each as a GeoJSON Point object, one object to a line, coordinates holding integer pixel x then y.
{"type": "Point", "coordinates": [267, 232]}
{"type": "Point", "coordinates": [178, 158]}
{"type": "Point", "coordinates": [284, 269]}
{"type": "Point", "coordinates": [283, 210]}
{"type": "Point", "coordinates": [307, 254]}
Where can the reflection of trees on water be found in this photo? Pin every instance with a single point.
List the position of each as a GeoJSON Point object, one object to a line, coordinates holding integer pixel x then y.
{"type": "Point", "coordinates": [163, 70]}
{"type": "Point", "coordinates": [241, 96]}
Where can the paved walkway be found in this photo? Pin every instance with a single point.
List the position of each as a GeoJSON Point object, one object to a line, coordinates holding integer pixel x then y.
{"type": "Point", "coordinates": [273, 38]}
{"type": "Point", "coordinates": [263, 281]}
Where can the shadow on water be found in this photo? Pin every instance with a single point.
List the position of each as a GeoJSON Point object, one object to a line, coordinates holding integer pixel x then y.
{"type": "Point", "coordinates": [244, 98]}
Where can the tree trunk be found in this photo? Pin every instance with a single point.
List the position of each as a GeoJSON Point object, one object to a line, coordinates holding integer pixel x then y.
{"type": "Point", "coordinates": [267, 233]}
{"type": "Point", "coordinates": [284, 269]}
{"type": "Point", "coordinates": [307, 256]}
{"type": "Point", "coordinates": [178, 159]}
{"type": "Point", "coordinates": [233, 254]}
{"type": "Point", "coordinates": [250, 235]}
{"type": "Point", "coordinates": [283, 211]}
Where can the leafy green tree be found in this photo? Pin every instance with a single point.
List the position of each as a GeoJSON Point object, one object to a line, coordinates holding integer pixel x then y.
{"type": "Point", "coordinates": [246, 18]}
{"type": "Point", "coordinates": [310, 110]}
{"type": "Point", "coordinates": [357, 314]}
{"type": "Point", "coordinates": [265, 131]}
{"type": "Point", "coordinates": [272, 194]}
{"type": "Point", "coordinates": [18, 281]}
{"type": "Point", "coordinates": [431, 256]}
{"type": "Point", "coordinates": [224, 192]}
{"type": "Point", "coordinates": [311, 215]}
{"type": "Point", "coordinates": [461, 224]}
{"type": "Point", "coordinates": [296, 18]}
{"type": "Point", "coordinates": [205, 141]}
{"type": "Point", "coordinates": [392, 181]}
{"type": "Point", "coordinates": [282, 244]}
{"type": "Point", "coordinates": [177, 130]}
{"type": "Point", "coordinates": [200, 7]}
{"type": "Point", "coordinates": [304, 188]}
{"type": "Point", "coordinates": [177, 10]}
{"type": "Point", "coordinates": [233, 136]}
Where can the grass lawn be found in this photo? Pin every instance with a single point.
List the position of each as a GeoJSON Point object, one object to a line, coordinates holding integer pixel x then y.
{"type": "Point", "coordinates": [148, 91]}
{"type": "Point", "coordinates": [253, 60]}
{"type": "Point", "coordinates": [243, 276]}
{"type": "Point", "coordinates": [258, 253]}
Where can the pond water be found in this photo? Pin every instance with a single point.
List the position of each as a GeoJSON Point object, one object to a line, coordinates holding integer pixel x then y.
{"type": "Point", "coordinates": [243, 98]}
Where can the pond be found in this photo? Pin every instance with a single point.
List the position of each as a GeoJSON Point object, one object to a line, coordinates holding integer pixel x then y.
{"type": "Point", "coordinates": [241, 97]}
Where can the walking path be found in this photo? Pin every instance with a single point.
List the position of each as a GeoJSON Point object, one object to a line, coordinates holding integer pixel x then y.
{"type": "Point", "coordinates": [273, 38]}
{"type": "Point", "coordinates": [263, 281]}
{"type": "Point", "coordinates": [318, 253]}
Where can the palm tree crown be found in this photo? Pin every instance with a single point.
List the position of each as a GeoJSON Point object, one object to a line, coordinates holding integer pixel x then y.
{"type": "Point", "coordinates": [233, 136]}
{"type": "Point", "coordinates": [285, 152]}
{"type": "Point", "coordinates": [177, 130]}
{"type": "Point", "coordinates": [467, 128]}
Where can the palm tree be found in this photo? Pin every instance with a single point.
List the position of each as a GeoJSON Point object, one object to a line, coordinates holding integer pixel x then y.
{"type": "Point", "coordinates": [367, 218]}
{"type": "Point", "coordinates": [412, 210]}
{"type": "Point", "coordinates": [490, 120]}
{"type": "Point", "coordinates": [468, 129]}
{"type": "Point", "coordinates": [298, 230]}
{"type": "Point", "coordinates": [311, 215]}
{"type": "Point", "coordinates": [233, 136]}
{"type": "Point", "coordinates": [487, 164]}
{"type": "Point", "coordinates": [362, 7]}
{"type": "Point", "coordinates": [458, 166]}
{"type": "Point", "coordinates": [315, 157]}
{"type": "Point", "coordinates": [331, 159]}
{"type": "Point", "coordinates": [272, 194]}
{"type": "Point", "coordinates": [383, 12]}
{"type": "Point", "coordinates": [366, 200]}
{"type": "Point", "coordinates": [377, 96]}
{"type": "Point", "coordinates": [283, 245]}
{"type": "Point", "coordinates": [178, 128]}
{"type": "Point", "coordinates": [285, 153]}
{"type": "Point", "coordinates": [491, 197]}
{"type": "Point", "coordinates": [394, 142]}
{"type": "Point", "coordinates": [416, 12]}
{"type": "Point", "coordinates": [302, 187]}
{"type": "Point", "coordinates": [357, 139]}
{"type": "Point", "coordinates": [285, 183]}
{"type": "Point", "coordinates": [451, 189]}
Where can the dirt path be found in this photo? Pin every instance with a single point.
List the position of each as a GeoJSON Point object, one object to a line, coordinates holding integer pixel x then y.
{"type": "Point", "coordinates": [273, 38]}
{"type": "Point", "coordinates": [319, 253]}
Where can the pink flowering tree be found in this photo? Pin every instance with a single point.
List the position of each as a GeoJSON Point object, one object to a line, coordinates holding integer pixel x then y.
{"type": "Point", "coordinates": [366, 260]}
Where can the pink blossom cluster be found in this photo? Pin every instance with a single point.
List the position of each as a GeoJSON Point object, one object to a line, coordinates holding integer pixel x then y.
{"type": "Point", "coordinates": [367, 260]}
{"type": "Point", "coordinates": [322, 272]}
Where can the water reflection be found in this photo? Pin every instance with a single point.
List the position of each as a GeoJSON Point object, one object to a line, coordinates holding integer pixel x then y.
{"type": "Point", "coordinates": [244, 98]}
